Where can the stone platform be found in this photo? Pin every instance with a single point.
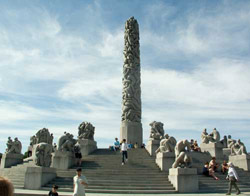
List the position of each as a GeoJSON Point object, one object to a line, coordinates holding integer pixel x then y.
{"type": "Point", "coordinates": [21, 192]}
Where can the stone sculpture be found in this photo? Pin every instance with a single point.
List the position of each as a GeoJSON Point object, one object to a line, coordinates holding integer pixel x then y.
{"type": "Point", "coordinates": [224, 141]}
{"type": "Point", "coordinates": [157, 131]}
{"type": "Point", "coordinates": [131, 127]}
{"type": "Point", "coordinates": [238, 148]}
{"type": "Point", "coordinates": [43, 154]}
{"type": "Point", "coordinates": [182, 159]}
{"type": "Point", "coordinates": [131, 95]}
{"type": "Point", "coordinates": [86, 131]}
{"type": "Point", "coordinates": [14, 147]}
{"type": "Point", "coordinates": [66, 142]}
{"type": "Point", "coordinates": [43, 136]}
{"type": "Point", "coordinates": [230, 141]}
{"type": "Point", "coordinates": [33, 140]}
{"type": "Point", "coordinates": [214, 137]}
{"type": "Point", "coordinates": [167, 144]}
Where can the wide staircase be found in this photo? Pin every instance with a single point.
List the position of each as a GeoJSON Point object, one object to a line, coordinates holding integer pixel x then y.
{"type": "Point", "coordinates": [209, 185]}
{"type": "Point", "coordinates": [16, 174]}
{"type": "Point", "coordinates": [105, 174]}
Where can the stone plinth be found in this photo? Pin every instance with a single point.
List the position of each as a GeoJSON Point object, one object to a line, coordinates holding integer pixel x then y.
{"type": "Point", "coordinates": [226, 153]}
{"type": "Point", "coordinates": [185, 180]}
{"type": "Point", "coordinates": [132, 132]}
{"type": "Point", "coordinates": [152, 146]}
{"type": "Point", "coordinates": [36, 177]}
{"type": "Point", "coordinates": [62, 160]}
{"type": "Point", "coordinates": [11, 159]}
{"type": "Point", "coordinates": [241, 161]}
{"type": "Point", "coordinates": [87, 146]}
{"type": "Point", "coordinates": [214, 149]}
{"type": "Point", "coordinates": [165, 160]}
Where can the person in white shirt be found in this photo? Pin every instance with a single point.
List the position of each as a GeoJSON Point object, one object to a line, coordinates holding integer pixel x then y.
{"type": "Point", "coordinates": [124, 150]}
{"type": "Point", "coordinates": [80, 182]}
{"type": "Point", "coordinates": [233, 177]}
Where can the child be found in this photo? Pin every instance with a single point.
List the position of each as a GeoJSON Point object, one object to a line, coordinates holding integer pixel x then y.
{"type": "Point", "coordinates": [53, 192]}
{"type": "Point", "coordinates": [205, 170]}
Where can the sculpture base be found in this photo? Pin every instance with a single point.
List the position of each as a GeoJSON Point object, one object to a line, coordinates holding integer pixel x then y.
{"type": "Point", "coordinates": [214, 149]}
{"type": "Point", "coordinates": [152, 146]}
{"type": "Point", "coordinates": [11, 159]}
{"type": "Point", "coordinates": [241, 161]}
{"type": "Point", "coordinates": [132, 132]}
{"type": "Point", "coordinates": [165, 160]}
{"type": "Point", "coordinates": [87, 146]}
{"type": "Point", "coordinates": [198, 160]}
{"type": "Point", "coordinates": [62, 160]}
{"type": "Point", "coordinates": [185, 180]}
{"type": "Point", "coordinates": [36, 177]}
{"type": "Point", "coordinates": [226, 153]}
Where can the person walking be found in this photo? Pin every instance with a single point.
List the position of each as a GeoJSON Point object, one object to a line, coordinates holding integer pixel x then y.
{"type": "Point", "coordinates": [233, 177]}
{"type": "Point", "coordinates": [124, 150]}
{"type": "Point", "coordinates": [80, 182]}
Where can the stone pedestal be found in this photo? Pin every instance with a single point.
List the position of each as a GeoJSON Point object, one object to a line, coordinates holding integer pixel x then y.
{"type": "Point", "coordinates": [241, 161]}
{"type": "Point", "coordinates": [214, 149]}
{"type": "Point", "coordinates": [226, 153]}
{"type": "Point", "coordinates": [11, 159]}
{"type": "Point", "coordinates": [62, 160]}
{"type": "Point", "coordinates": [132, 132]}
{"type": "Point", "coordinates": [152, 146]}
{"type": "Point", "coordinates": [185, 180]}
{"type": "Point", "coordinates": [165, 160]}
{"type": "Point", "coordinates": [36, 177]}
{"type": "Point", "coordinates": [87, 146]}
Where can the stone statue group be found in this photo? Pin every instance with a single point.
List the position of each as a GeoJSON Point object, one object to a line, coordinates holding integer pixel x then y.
{"type": "Point", "coordinates": [182, 148]}
{"type": "Point", "coordinates": [42, 147]}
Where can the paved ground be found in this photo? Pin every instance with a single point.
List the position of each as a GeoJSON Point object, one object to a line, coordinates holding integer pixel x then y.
{"type": "Point", "coordinates": [24, 192]}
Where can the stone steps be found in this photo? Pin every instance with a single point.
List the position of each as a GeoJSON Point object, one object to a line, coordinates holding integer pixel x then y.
{"type": "Point", "coordinates": [209, 185]}
{"type": "Point", "coordinates": [121, 191]}
{"type": "Point", "coordinates": [106, 174]}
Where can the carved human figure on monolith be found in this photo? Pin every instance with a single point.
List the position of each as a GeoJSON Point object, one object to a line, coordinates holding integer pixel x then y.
{"type": "Point", "coordinates": [66, 142]}
{"type": "Point", "coordinates": [43, 154]}
{"type": "Point", "coordinates": [14, 146]}
{"type": "Point", "coordinates": [86, 131]}
{"type": "Point", "coordinates": [214, 137]}
{"type": "Point", "coordinates": [167, 144]}
{"type": "Point", "coordinates": [131, 128]}
{"type": "Point", "coordinates": [157, 131]}
{"type": "Point", "coordinates": [238, 148]}
{"type": "Point", "coordinates": [182, 158]}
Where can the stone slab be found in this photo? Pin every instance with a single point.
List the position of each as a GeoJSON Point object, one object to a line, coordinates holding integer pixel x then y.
{"type": "Point", "coordinates": [226, 153]}
{"type": "Point", "coordinates": [214, 149]}
{"type": "Point", "coordinates": [165, 160]}
{"type": "Point", "coordinates": [87, 146]}
{"type": "Point", "coordinates": [36, 177]}
{"type": "Point", "coordinates": [63, 160]}
{"type": "Point", "coordinates": [241, 161]}
{"type": "Point", "coordinates": [185, 180]}
{"type": "Point", "coordinates": [11, 159]}
{"type": "Point", "coordinates": [132, 132]}
{"type": "Point", "coordinates": [152, 146]}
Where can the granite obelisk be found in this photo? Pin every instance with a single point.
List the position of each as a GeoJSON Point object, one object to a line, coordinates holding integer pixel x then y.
{"type": "Point", "coordinates": [131, 127]}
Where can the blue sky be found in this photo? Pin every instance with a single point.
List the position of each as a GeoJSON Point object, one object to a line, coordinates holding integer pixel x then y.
{"type": "Point", "coordinates": [61, 64]}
